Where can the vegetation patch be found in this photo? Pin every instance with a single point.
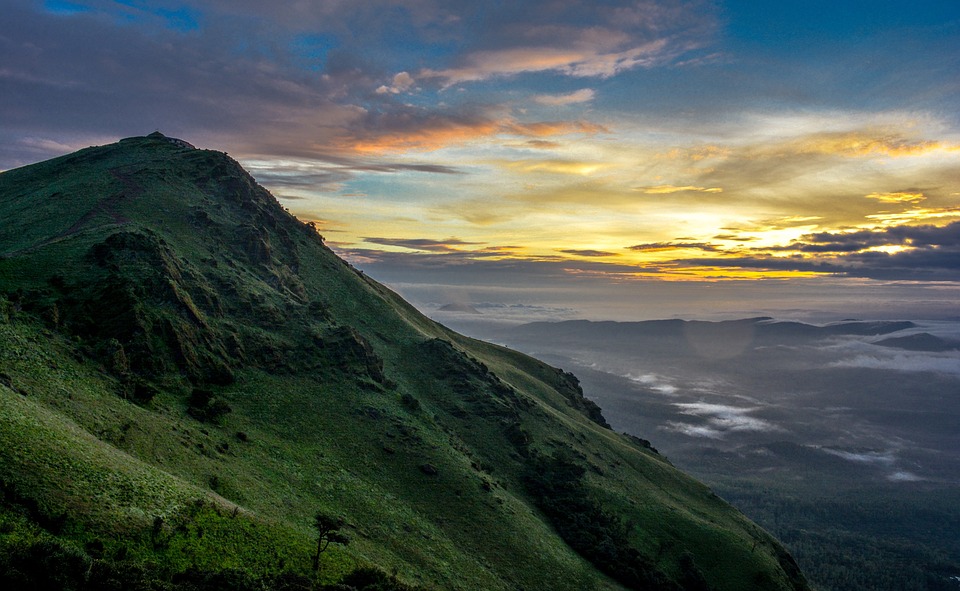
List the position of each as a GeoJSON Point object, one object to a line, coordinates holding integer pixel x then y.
{"type": "Point", "coordinates": [189, 376]}
{"type": "Point", "coordinates": [556, 485]}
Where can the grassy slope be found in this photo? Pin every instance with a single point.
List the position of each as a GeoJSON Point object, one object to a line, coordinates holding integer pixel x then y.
{"type": "Point", "coordinates": [321, 431]}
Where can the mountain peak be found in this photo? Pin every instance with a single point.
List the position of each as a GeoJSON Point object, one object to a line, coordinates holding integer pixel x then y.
{"type": "Point", "coordinates": [156, 135]}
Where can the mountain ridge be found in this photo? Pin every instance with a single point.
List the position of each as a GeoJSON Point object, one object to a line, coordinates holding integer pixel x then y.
{"type": "Point", "coordinates": [209, 359]}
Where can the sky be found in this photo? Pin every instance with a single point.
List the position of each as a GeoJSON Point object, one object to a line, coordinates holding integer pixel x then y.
{"type": "Point", "coordinates": [604, 159]}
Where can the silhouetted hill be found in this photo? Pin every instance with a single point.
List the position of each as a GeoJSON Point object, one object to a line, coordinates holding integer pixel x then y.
{"type": "Point", "coordinates": [722, 335]}
{"type": "Point", "coordinates": [923, 341]}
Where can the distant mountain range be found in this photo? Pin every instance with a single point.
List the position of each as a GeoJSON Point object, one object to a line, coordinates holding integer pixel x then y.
{"type": "Point", "coordinates": [191, 381]}
{"type": "Point", "coordinates": [760, 329]}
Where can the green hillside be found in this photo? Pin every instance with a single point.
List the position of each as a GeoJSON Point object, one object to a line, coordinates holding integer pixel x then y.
{"type": "Point", "coordinates": [188, 376]}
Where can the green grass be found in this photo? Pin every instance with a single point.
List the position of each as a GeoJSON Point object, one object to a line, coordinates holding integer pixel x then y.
{"type": "Point", "coordinates": [342, 398]}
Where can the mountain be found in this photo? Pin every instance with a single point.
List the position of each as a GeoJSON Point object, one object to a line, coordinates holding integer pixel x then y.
{"type": "Point", "coordinates": [922, 341]}
{"type": "Point", "coordinates": [761, 330]}
{"type": "Point", "coordinates": [189, 376]}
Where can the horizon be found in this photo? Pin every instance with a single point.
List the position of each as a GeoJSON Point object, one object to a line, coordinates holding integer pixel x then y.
{"type": "Point", "coordinates": [611, 161]}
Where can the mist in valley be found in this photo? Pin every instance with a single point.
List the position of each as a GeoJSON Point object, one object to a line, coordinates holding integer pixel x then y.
{"type": "Point", "coordinates": [841, 438]}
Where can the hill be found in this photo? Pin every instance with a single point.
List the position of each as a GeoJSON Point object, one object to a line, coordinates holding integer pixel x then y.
{"type": "Point", "coordinates": [188, 376]}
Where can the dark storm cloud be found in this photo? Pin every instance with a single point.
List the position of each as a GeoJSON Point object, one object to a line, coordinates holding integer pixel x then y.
{"type": "Point", "coordinates": [926, 236]}
{"type": "Point", "coordinates": [931, 253]}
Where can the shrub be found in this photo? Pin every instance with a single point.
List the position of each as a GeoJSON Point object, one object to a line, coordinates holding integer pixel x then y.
{"type": "Point", "coordinates": [374, 579]}
{"type": "Point", "coordinates": [556, 485]}
{"type": "Point", "coordinates": [45, 565]}
{"type": "Point", "coordinates": [205, 407]}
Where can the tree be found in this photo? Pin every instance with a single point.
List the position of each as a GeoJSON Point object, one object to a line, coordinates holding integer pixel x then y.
{"type": "Point", "coordinates": [328, 532]}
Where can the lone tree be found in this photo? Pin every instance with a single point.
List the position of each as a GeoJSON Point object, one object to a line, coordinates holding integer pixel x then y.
{"type": "Point", "coordinates": [328, 531]}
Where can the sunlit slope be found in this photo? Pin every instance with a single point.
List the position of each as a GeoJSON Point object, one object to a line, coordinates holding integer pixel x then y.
{"type": "Point", "coordinates": [178, 350]}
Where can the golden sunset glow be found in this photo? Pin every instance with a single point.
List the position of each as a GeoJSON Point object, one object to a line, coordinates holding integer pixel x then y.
{"type": "Point", "coordinates": [637, 203]}
{"type": "Point", "coordinates": [633, 141]}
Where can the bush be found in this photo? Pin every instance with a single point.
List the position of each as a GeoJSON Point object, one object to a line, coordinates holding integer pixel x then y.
{"type": "Point", "coordinates": [205, 407]}
{"type": "Point", "coordinates": [556, 485]}
{"type": "Point", "coordinates": [374, 579]}
{"type": "Point", "coordinates": [45, 565]}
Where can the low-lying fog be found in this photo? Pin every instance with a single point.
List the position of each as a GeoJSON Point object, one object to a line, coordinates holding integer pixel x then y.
{"type": "Point", "coordinates": [842, 439]}
{"type": "Point", "coordinates": [881, 397]}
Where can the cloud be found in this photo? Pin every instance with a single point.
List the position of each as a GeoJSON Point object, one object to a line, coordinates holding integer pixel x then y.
{"type": "Point", "coordinates": [904, 476]}
{"type": "Point", "coordinates": [604, 290]}
{"type": "Point", "coordinates": [448, 245]}
{"type": "Point", "coordinates": [721, 419]}
{"type": "Point", "coordinates": [414, 129]}
{"type": "Point", "coordinates": [581, 63]}
{"type": "Point", "coordinates": [667, 246]}
{"type": "Point", "coordinates": [324, 99]}
{"type": "Point", "coordinates": [401, 83]}
{"type": "Point", "coordinates": [885, 458]}
{"type": "Point", "coordinates": [693, 430]}
{"type": "Point", "coordinates": [327, 174]}
{"type": "Point", "coordinates": [493, 312]}
{"type": "Point", "coordinates": [898, 197]}
{"type": "Point", "coordinates": [792, 167]}
{"type": "Point", "coordinates": [540, 144]}
{"type": "Point", "coordinates": [403, 129]}
{"type": "Point", "coordinates": [86, 75]}
{"type": "Point", "coordinates": [247, 79]}
{"type": "Point", "coordinates": [947, 363]}
{"type": "Point", "coordinates": [860, 143]}
{"type": "Point", "coordinates": [667, 189]}
{"type": "Point", "coordinates": [588, 253]}
{"type": "Point", "coordinates": [654, 382]}
{"type": "Point", "coordinates": [578, 39]}
{"type": "Point", "coordinates": [584, 95]}
{"type": "Point", "coordinates": [555, 166]}
{"type": "Point", "coordinates": [920, 265]}
{"type": "Point", "coordinates": [939, 242]}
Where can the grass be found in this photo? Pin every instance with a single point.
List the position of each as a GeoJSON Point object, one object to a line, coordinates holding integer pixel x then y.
{"type": "Point", "coordinates": [342, 398]}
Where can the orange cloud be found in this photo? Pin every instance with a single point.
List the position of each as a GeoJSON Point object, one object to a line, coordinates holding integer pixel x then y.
{"type": "Point", "coordinates": [427, 138]}
{"type": "Point", "coordinates": [434, 133]}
